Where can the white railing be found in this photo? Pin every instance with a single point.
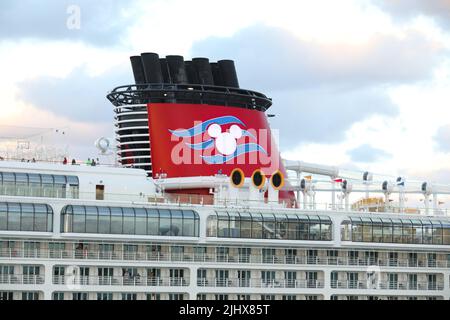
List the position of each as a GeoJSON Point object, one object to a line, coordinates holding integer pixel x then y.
{"type": "Point", "coordinates": [218, 258]}
{"type": "Point", "coordinates": [386, 285]}
{"type": "Point", "coordinates": [120, 281]}
{"type": "Point", "coordinates": [259, 283]}
{"type": "Point", "coordinates": [21, 279]}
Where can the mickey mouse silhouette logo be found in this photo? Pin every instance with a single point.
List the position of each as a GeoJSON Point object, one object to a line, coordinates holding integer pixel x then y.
{"type": "Point", "coordinates": [225, 141]}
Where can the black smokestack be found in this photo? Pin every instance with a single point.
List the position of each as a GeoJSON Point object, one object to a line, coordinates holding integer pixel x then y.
{"type": "Point", "coordinates": [203, 69]}
{"type": "Point", "coordinates": [177, 69]}
{"type": "Point", "coordinates": [228, 72]}
{"type": "Point", "coordinates": [191, 72]}
{"type": "Point", "coordinates": [138, 69]}
{"type": "Point", "coordinates": [152, 68]}
{"type": "Point", "coordinates": [217, 74]}
{"type": "Point", "coordinates": [165, 70]}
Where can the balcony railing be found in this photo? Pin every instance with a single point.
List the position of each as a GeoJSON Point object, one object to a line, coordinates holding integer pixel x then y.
{"type": "Point", "coordinates": [120, 281]}
{"type": "Point", "coordinates": [386, 285]}
{"type": "Point", "coordinates": [259, 283]}
{"type": "Point", "coordinates": [21, 279]}
{"type": "Point", "coordinates": [218, 258]}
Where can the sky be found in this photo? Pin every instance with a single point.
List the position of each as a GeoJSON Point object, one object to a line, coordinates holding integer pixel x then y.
{"type": "Point", "coordinates": [359, 84]}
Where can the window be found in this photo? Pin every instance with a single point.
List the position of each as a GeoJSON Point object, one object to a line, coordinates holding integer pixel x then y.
{"type": "Point", "coordinates": [176, 296]}
{"type": "Point", "coordinates": [227, 224]}
{"type": "Point", "coordinates": [268, 255]}
{"type": "Point", "coordinates": [256, 226]}
{"type": "Point", "coordinates": [268, 278]}
{"type": "Point", "coordinates": [6, 295]}
{"type": "Point", "coordinates": [104, 220]}
{"type": "Point", "coordinates": [268, 227]}
{"type": "Point", "coordinates": [25, 217]}
{"type": "Point", "coordinates": [164, 222]}
{"type": "Point", "coordinates": [38, 185]}
{"type": "Point", "coordinates": [30, 295]}
{"type": "Point", "coordinates": [129, 296]}
{"type": "Point", "coordinates": [177, 222]}
{"type": "Point", "coordinates": [222, 278]}
{"type": "Point", "coordinates": [116, 220]}
{"type": "Point", "coordinates": [3, 216]}
{"type": "Point", "coordinates": [128, 221]}
{"type": "Point", "coordinates": [153, 296]}
{"type": "Point", "coordinates": [152, 222]}
{"type": "Point", "coordinates": [222, 254]}
{"type": "Point", "coordinates": [79, 219]}
{"type": "Point", "coordinates": [244, 277]}
{"type": "Point", "coordinates": [91, 220]}
{"type": "Point", "coordinates": [104, 296]}
{"type": "Point", "coordinates": [58, 296]}
{"type": "Point", "coordinates": [357, 230]}
{"type": "Point", "coordinates": [244, 255]}
{"type": "Point", "coordinates": [14, 216]}
{"type": "Point", "coordinates": [415, 231]}
{"type": "Point", "coordinates": [99, 192]}
{"type": "Point", "coordinates": [139, 221]}
{"type": "Point", "coordinates": [314, 228]}
{"type": "Point", "coordinates": [334, 279]}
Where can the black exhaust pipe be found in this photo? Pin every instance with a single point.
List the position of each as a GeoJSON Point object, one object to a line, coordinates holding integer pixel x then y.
{"type": "Point", "coordinates": [165, 70]}
{"type": "Point", "coordinates": [217, 74]}
{"type": "Point", "coordinates": [152, 68]}
{"type": "Point", "coordinates": [177, 69]}
{"type": "Point", "coordinates": [191, 72]}
{"type": "Point", "coordinates": [228, 72]}
{"type": "Point", "coordinates": [203, 69]}
{"type": "Point", "coordinates": [138, 69]}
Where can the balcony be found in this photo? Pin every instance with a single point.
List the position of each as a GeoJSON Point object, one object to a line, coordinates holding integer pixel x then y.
{"type": "Point", "coordinates": [259, 283]}
{"type": "Point", "coordinates": [120, 281]}
{"type": "Point", "coordinates": [117, 255]}
{"type": "Point", "coordinates": [21, 279]}
{"type": "Point", "coordinates": [386, 285]}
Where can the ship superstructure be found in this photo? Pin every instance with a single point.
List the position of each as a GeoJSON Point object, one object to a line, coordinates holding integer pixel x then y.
{"type": "Point", "coordinates": [202, 207]}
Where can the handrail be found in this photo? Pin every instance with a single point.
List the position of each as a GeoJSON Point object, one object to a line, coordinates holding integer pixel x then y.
{"type": "Point", "coordinates": [218, 258]}
{"type": "Point", "coordinates": [260, 283]}
{"type": "Point", "coordinates": [121, 281]}
{"type": "Point", "coordinates": [135, 94]}
{"type": "Point", "coordinates": [21, 279]}
{"type": "Point", "coordinates": [386, 285]}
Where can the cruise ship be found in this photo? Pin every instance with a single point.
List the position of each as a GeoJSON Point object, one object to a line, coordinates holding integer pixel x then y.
{"type": "Point", "coordinates": [200, 206]}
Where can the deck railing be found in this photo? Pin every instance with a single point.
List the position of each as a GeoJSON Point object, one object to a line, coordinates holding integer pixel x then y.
{"type": "Point", "coordinates": [21, 279]}
{"type": "Point", "coordinates": [386, 285]}
{"type": "Point", "coordinates": [260, 283]}
{"type": "Point", "coordinates": [218, 258]}
{"type": "Point", "coordinates": [120, 281]}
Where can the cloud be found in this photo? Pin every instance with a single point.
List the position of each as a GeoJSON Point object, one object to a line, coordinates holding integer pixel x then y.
{"type": "Point", "coordinates": [102, 22]}
{"type": "Point", "coordinates": [78, 97]}
{"type": "Point", "coordinates": [367, 153]}
{"type": "Point", "coordinates": [323, 115]}
{"type": "Point", "coordinates": [442, 138]}
{"type": "Point", "coordinates": [321, 90]}
{"type": "Point", "coordinates": [272, 58]}
{"type": "Point", "coordinates": [439, 10]}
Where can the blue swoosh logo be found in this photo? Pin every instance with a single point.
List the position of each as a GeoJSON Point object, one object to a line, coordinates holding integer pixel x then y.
{"type": "Point", "coordinates": [240, 150]}
{"type": "Point", "coordinates": [201, 145]}
{"type": "Point", "coordinates": [201, 127]}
